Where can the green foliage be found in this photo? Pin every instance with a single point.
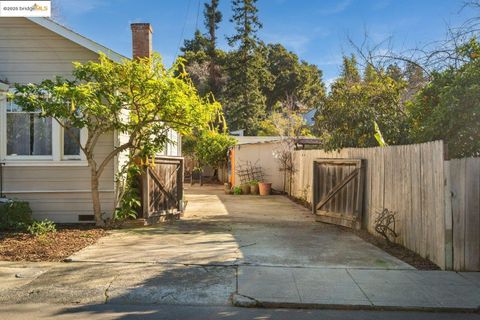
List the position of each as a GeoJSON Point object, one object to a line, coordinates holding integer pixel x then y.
{"type": "Point", "coordinates": [15, 215]}
{"type": "Point", "coordinates": [348, 116]}
{"type": "Point", "coordinates": [211, 148]}
{"type": "Point", "coordinates": [130, 200]}
{"type": "Point", "coordinates": [253, 79]}
{"type": "Point", "coordinates": [378, 135]}
{"type": "Point", "coordinates": [448, 108]}
{"type": "Point", "coordinates": [40, 228]}
{"type": "Point", "coordinates": [253, 182]}
{"type": "Point", "coordinates": [285, 123]}
{"type": "Point", "coordinates": [138, 98]}
{"type": "Point", "coordinates": [237, 190]}
{"type": "Point", "coordinates": [296, 82]}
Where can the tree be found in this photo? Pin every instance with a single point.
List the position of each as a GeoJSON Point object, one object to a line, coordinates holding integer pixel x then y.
{"type": "Point", "coordinates": [245, 104]}
{"type": "Point", "coordinates": [139, 98]}
{"type": "Point", "coordinates": [448, 107]}
{"type": "Point", "coordinates": [197, 44]}
{"type": "Point", "coordinates": [296, 80]}
{"type": "Point", "coordinates": [348, 115]}
{"type": "Point", "coordinates": [212, 18]}
{"type": "Point", "coordinates": [204, 62]}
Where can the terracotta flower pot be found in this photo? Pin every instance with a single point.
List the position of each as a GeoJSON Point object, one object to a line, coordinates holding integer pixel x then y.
{"type": "Point", "coordinates": [265, 188]}
{"type": "Point", "coordinates": [245, 188]}
{"type": "Point", "coordinates": [254, 188]}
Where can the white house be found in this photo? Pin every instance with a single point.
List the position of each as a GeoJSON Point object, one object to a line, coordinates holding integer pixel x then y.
{"type": "Point", "coordinates": [41, 164]}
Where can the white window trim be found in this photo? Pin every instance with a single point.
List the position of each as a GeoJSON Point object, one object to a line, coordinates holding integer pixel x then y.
{"type": "Point", "coordinates": [56, 159]}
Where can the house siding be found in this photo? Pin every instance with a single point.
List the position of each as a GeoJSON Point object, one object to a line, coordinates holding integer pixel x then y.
{"type": "Point", "coordinates": [30, 53]}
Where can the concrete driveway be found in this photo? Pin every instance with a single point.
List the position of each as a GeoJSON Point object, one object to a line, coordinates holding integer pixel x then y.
{"type": "Point", "coordinates": [219, 229]}
{"type": "Point", "coordinates": [221, 249]}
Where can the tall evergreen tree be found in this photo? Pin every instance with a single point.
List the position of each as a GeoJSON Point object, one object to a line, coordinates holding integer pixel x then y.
{"type": "Point", "coordinates": [246, 103]}
{"type": "Point", "coordinates": [212, 18]}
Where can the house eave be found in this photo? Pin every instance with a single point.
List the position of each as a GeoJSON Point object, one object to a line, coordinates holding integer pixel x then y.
{"type": "Point", "coordinates": [77, 38]}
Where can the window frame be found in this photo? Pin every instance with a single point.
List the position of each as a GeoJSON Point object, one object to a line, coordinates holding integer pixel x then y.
{"type": "Point", "coordinates": [57, 157]}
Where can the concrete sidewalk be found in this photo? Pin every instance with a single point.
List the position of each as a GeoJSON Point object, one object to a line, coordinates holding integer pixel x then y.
{"type": "Point", "coordinates": [357, 289]}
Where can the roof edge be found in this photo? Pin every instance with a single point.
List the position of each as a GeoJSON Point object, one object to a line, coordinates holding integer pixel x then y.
{"type": "Point", "coordinates": [77, 38]}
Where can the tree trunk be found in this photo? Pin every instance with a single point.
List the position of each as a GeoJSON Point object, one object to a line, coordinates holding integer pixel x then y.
{"type": "Point", "coordinates": [97, 208]}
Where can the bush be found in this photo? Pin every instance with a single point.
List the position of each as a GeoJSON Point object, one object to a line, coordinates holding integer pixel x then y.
{"type": "Point", "coordinates": [15, 215]}
{"type": "Point", "coordinates": [237, 190]}
{"type": "Point", "coordinates": [38, 228]}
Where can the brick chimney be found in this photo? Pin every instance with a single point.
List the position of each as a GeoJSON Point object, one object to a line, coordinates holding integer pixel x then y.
{"type": "Point", "coordinates": [141, 40]}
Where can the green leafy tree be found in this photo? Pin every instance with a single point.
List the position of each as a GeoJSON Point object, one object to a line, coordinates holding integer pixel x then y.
{"type": "Point", "coordinates": [296, 80]}
{"type": "Point", "coordinates": [355, 104]}
{"type": "Point", "coordinates": [245, 104]}
{"type": "Point", "coordinates": [138, 98]}
{"type": "Point", "coordinates": [448, 108]}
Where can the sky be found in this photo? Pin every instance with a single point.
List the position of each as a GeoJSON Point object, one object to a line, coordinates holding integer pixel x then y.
{"type": "Point", "coordinates": [316, 30]}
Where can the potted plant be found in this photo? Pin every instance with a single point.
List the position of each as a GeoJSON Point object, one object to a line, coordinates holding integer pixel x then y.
{"type": "Point", "coordinates": [237, 190]}
{"type": "Point", "coordinates": [245, 188]}
{"type": "Point", "coordinates": [265, 188]}
{"type": "Point", "coordinates": [254, 186]}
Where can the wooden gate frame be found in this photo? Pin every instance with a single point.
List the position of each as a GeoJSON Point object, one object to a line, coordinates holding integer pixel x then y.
{"type": "Point", "coordinates": [151, 174]}
{"type": "Point", "coordinates": [317, 204]}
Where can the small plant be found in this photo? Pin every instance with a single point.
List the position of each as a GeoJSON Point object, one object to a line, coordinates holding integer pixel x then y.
{"type": "Point", "coordinates": [130, 200]}
{"type": "Point", "coordinates": [253, 182]}
{"type": "Point", "coordinates": [237, 190]}
{"type": "Point", "coordinates": [40, 228]}
{"type": "Point", "coordinates": [15, 215]}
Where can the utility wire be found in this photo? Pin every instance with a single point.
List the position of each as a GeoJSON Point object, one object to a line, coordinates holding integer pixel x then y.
{"type": "Point", "coordinates": [183, 28]}
{"type": "Point", "coordinates": [198, 14]}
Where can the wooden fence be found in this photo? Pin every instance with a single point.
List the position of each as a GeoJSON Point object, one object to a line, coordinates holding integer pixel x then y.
{"type": "Point", "coordinates": [414, 180]}
{"type": "Point", "coordinates": [464, 186]}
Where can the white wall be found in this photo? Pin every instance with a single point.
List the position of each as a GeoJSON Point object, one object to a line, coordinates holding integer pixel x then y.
{"type": "Point", "coordinates": [261, 154]}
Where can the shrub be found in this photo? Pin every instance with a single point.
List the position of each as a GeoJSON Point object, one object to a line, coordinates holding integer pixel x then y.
{"type": "Point", "coordinates": [237, 190]}
{"type": "Point", "coordinates": [15, 215]}
{"type": "Point", "coordinates": [38, 228]}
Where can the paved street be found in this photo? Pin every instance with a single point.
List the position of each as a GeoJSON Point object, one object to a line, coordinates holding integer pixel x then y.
{"type": "Point", "coordinates": [241, 250]}
{"type": "Point", "coordinates": [185, 312]}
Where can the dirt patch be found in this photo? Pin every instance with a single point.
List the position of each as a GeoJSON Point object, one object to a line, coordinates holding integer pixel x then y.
{"type": "Point", "coordinates": [54, 246]}
{"type": "Point", "coordinates": [396, 250]}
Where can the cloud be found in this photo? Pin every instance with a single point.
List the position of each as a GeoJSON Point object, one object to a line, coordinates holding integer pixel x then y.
{"type": "Point", "coordinates": [336, 8]}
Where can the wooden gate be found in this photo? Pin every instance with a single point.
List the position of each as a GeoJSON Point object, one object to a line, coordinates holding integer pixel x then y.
{"type": "Point", "coordinates": [162, 188]}
{"type": "Point", "coordinates": [338, 191]}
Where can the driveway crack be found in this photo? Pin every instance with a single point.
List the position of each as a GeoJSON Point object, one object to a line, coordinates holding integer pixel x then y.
{"type": "Point", "coordinates": [108, 288]}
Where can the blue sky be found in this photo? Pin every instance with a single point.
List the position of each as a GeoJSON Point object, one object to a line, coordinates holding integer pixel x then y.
{"type": "Point", "coordinates": [316, 30]}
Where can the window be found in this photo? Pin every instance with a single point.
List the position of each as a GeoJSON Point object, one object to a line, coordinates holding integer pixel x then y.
{"type": "Point", "coordinates": [28, 139]}
{"type": "Point", "coordinates": [27, 133]}
{"type": "Point", "coordinates": [71, 148]}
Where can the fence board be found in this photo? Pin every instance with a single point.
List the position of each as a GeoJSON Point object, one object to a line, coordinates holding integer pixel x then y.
{"type": "Point", "coordinates": [457, 185]}
{"type": "Point", "coordinates": [472, 211]}
{"type": "Point", "coordinates": [438, 202]}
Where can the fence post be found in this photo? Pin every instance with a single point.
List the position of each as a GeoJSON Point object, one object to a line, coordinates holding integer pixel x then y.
{"type": "Point", "coordinates": [145, 193]}
{"type": "Point", "coordinates": [448, 217]}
